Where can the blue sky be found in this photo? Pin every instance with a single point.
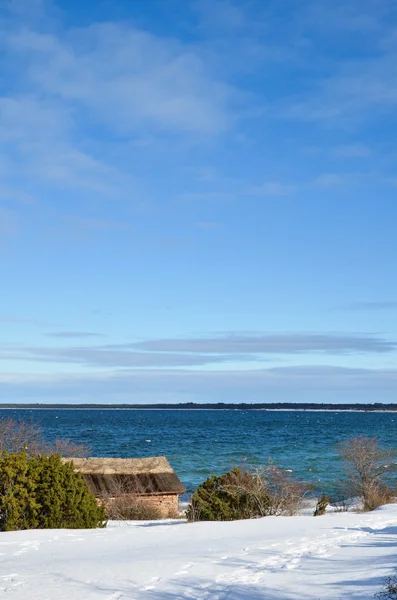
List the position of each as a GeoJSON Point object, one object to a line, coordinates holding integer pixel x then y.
{"type": "Point", "coordinates": [198, 201]}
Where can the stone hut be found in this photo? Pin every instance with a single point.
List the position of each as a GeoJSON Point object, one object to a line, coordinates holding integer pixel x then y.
{"type": "Point", "coordinates": [152, 480]}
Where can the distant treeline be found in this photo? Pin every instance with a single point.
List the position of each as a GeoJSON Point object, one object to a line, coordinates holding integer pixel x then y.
{"type": "Point", "coordinates": [378, 406]}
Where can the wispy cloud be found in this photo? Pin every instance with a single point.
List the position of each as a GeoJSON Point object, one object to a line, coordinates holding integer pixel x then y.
{"type": "Point", "coordinates": [223, 15]}
{"type": "Point", "coordinates": [288, 343]}
{"type": "Point", "coordinates": [370, 306]}
{"type": "Point", "coordinates": [78, 100]}
{"type": "Point", "coordinates": [271, 188]}
{"type": "Point", "coordinates": [190, 352]}
{"type": "Point", "coordinates": [112, 355]}
{"type": "Point", "coordinates": [350, 95]}
{"type": "Point", "coordinates": [74, 334]}
{"type": "Point", "coordinates": [127, 77]}
{"type": "Point", "coordinates": [360, 16]}
{"type": "Point", "coordinates": [330, 180]}
{"type": "Point", "coordinates": [360, 87]}
{"type": "Point", "coordinates": [37, 134]}
{"type": "Point", "coordinates": [93, 224]}
{"type": "Point", "coordinates": [353, 151]}
{"type": "Point", "coordinates": [208, 225]}
{"type": "Point", "coordinates": [8, 221]}
{"type": "Point", "coordinates": [12, 320]}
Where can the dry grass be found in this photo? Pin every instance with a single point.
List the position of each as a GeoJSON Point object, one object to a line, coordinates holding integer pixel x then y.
{"type": "Point", "coordinates": [129, 500]}
{"type": "Point", "coordinates": [130, 508]}
{"type": "Point", "coordinates": [377, 495]}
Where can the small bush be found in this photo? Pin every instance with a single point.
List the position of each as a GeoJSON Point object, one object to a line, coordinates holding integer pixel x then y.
{"type": "Point", "coordinates": [377, 495]}
{"type": "Point", "coordinates": [40, 492]}
{"type": "Point", "coordinates": [340, 505]}
{"type": "Point", "coordinates": [365, 466]}
{"type": "Point", "coordinates": [16, 436]}
{"type": "Point", "coordinates": [321, 505]}
{"type": "Point", "coordinates": [286, 493]}
{"type": "Point", "coordinates": [235, 495]}
{"type": "Point", "coordinates": [242, 494]}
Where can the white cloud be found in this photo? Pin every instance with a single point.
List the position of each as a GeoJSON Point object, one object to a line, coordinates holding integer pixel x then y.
{"type": "Point", "coordinates": [80, 101]}
{"type": "Point", "coordinates": [353, 151]}
{"type": "Point", "coordinates": [358, 90]}
{"type": "Point", "coordinates": [222, 15]}
{"type": "Point", "coordinates": [128, 78]}
{"type": "Point", "coordinates": [271, 188]}
{"type": "Point", "coordinates": [8, 222]}
{"type": "Point", "coordinates": [327, 180]}
{"type": "Point", "coordinates": [380, 305]}
{"type": "Point", "coordinates": [346, 15]}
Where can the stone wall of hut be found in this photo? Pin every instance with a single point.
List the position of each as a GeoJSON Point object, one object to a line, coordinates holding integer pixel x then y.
{"type": "Point", "coordinates": [166, 506]}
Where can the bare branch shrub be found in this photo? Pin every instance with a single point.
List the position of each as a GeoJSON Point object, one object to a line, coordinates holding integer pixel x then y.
{"type": "Point", "coordinates": [16, 436]}
{"type": "Point", "coordinates": [126, 498]}
{"type": "Point", "coordinates": [377, 495]}
{"type": "Point", "coordinates": [341, 505]}
{"type": "Point", "coordinates": [365, 467]}
{"type": "Point", "coordinates": [389, 591]}
{"type": "Point", "coordinates": [131, 508]}
{"type": "Point", "coordinates": [285, 493]}
{"type": "Point", "coordinates": [246, 494]}
{"type": "Point", "coordinates": [68, 449]}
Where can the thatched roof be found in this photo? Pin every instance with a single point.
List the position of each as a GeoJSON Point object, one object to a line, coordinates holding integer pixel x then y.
{"type": "Point", "coordinates": [144, 476]}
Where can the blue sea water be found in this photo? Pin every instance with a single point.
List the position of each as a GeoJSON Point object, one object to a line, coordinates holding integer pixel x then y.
{"type": "Point", "coordinates": [200, 442]}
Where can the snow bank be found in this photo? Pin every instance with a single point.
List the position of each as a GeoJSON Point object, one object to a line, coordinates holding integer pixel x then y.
{"type": "Point", "coordinates": [337, 556]}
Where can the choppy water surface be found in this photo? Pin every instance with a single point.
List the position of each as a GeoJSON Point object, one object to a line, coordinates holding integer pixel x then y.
{"type": "Point", "coordinates": [200, 442]}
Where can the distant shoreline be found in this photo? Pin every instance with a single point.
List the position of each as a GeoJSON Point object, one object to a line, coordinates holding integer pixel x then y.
{"type": "Point", "coordinates": [310, 407]}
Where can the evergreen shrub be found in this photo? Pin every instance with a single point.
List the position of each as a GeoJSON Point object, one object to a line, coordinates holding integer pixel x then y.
{"type": "Point", "coordinates": [41, 492]}
{"type": "Point", "coordinates": [245, 494]}
{"type": "Point", "coordinates": [228, 497]}
{"type": "Point", "coordinates": [321, 506]}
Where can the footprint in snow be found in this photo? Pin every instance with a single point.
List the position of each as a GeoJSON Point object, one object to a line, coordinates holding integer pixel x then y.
{"type": "Point", "coordinates": [215, 562]}
{"type": "Point", "coordinates": [185, 569]}
{"type": "Point", "coordinates": [10, 577]}
{"type": "Point", "coordinates": [292, 564]}
{"type": "Point", "coordinates": [151, 585]}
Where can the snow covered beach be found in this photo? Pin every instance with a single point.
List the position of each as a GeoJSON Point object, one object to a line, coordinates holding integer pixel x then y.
{"type": "Point", "coordinates": [336, 556]}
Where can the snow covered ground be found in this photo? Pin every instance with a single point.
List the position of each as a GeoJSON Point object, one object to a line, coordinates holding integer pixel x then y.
{"type": "Point", "coordinates": [338, 556]}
